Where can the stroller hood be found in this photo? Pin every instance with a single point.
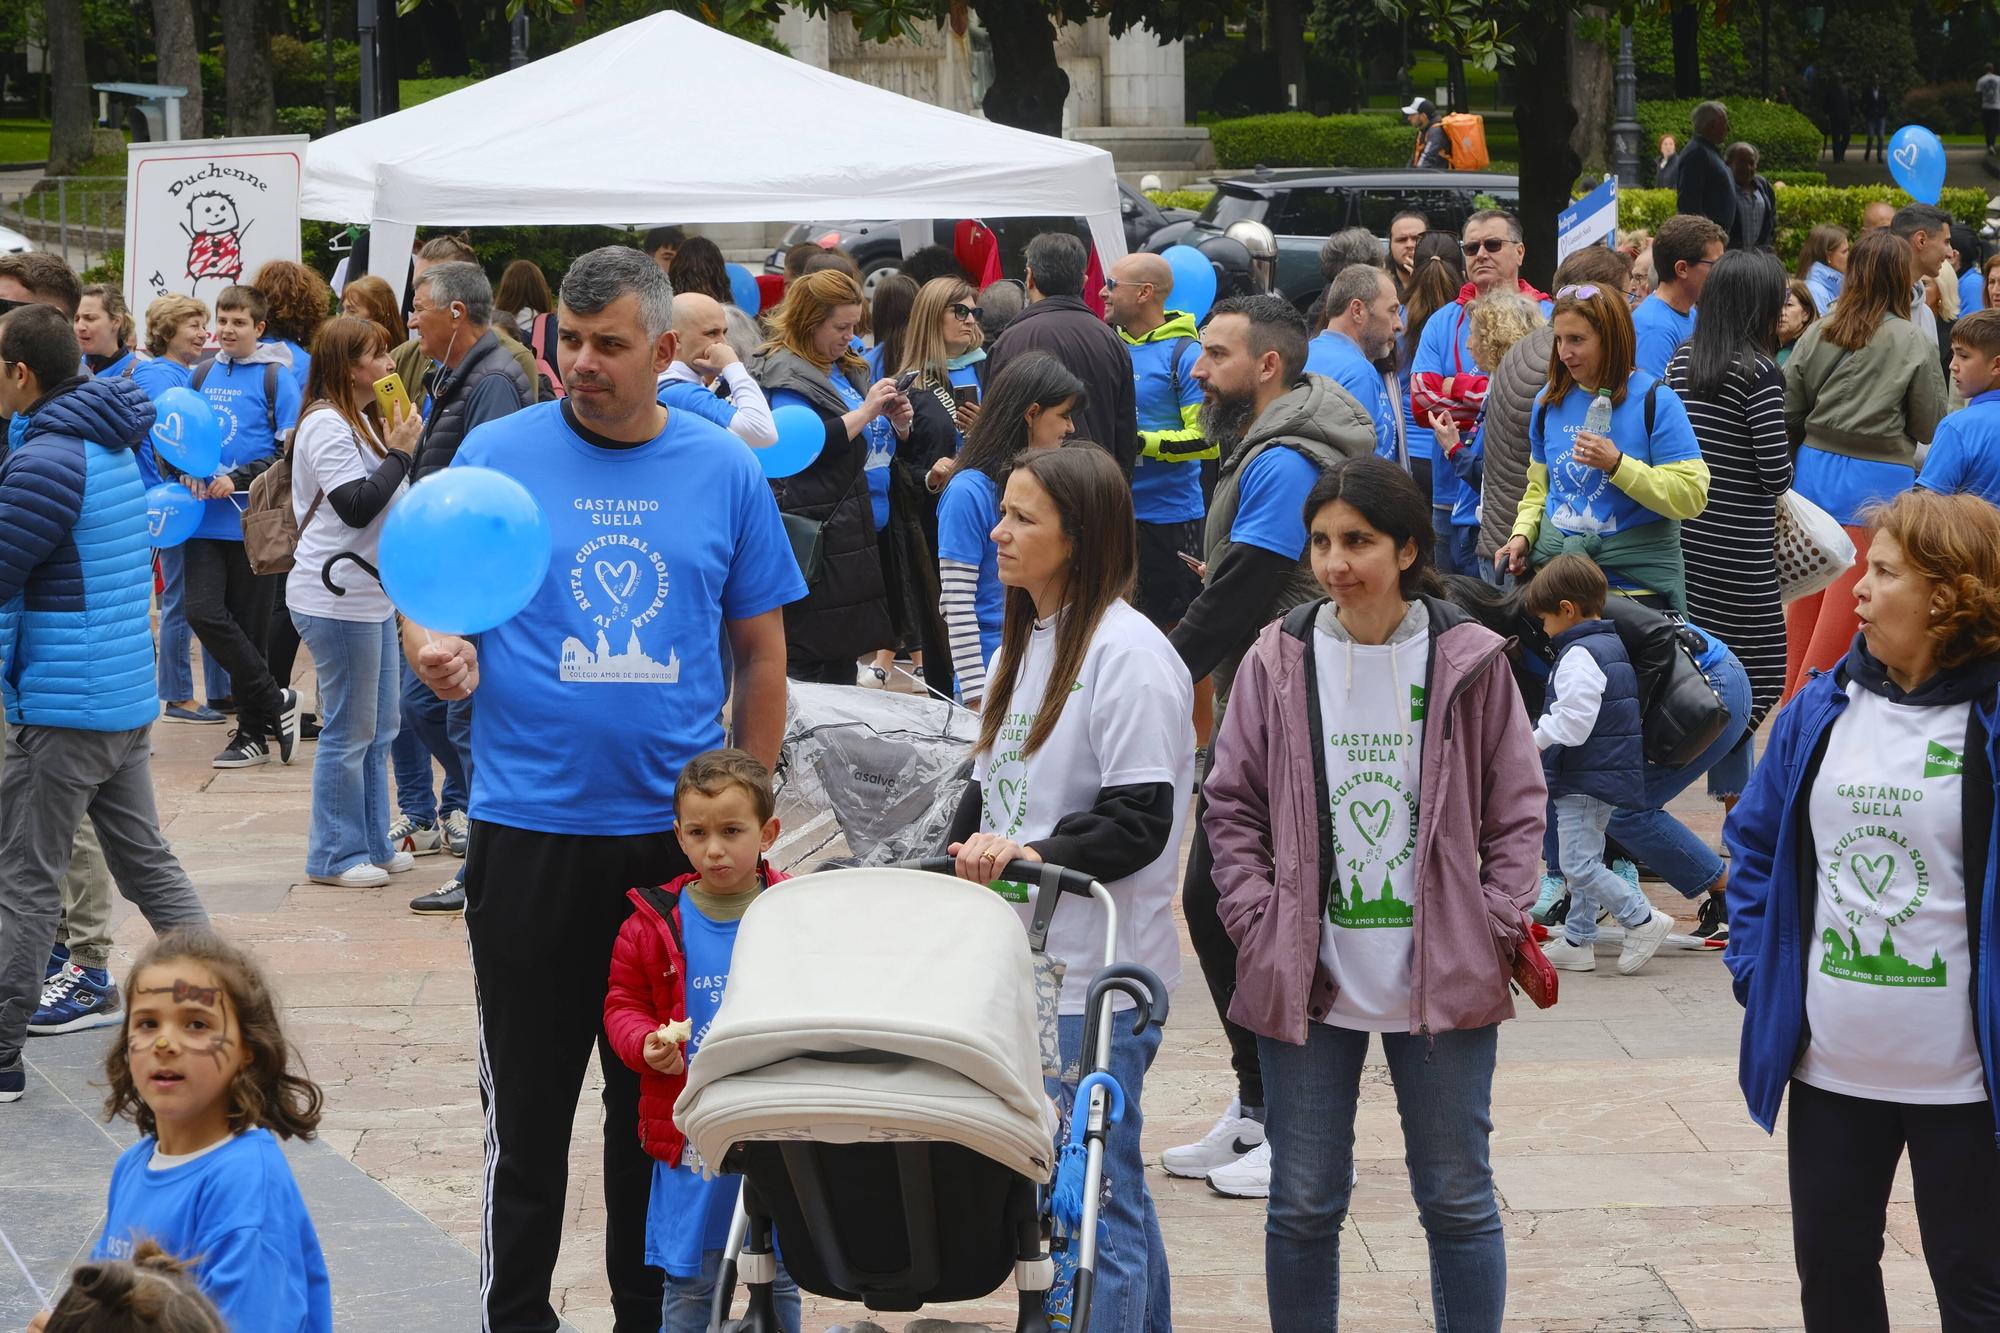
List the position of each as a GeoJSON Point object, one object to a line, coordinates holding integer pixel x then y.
{"type": "Point", "coordinates": [876, 1005]}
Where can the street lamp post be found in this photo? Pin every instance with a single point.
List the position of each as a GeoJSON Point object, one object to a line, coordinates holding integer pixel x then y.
{"type": "Point", "coordinates": [1625, 128]}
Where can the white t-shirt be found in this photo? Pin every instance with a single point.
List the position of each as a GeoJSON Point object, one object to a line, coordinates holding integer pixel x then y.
{"type": "Point", "coordinates": [325, 456]}
{"type": "Point", "coordinates": [1128, 720]}
{"type": "Point", "coordinates": [1989, 92]}
{"type": "Point", "coordinates": [1371, 703]}
{"type": "Point", "coordinates": [1890, 958]}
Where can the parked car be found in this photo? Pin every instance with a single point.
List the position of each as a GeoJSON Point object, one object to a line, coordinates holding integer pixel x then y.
{"type": "Point", "coordinates": [1304, 207]}
{"type": "Point", "coordinates": [877, 247]}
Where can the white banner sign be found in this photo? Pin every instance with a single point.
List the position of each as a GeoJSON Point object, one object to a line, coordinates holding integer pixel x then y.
{"type": "Point", "coordinates": [1591, 220]}
{"type": "Point", "coordinates": [204, 214]}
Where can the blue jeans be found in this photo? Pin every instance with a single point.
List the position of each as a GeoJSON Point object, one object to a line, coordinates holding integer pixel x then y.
{"type": "Point", "coordinates": [176, 639]}
{"type": "Point", "coordinates": [1656, 837]}
{"type": "Point", "coordinates": [1444, 1095]}
{"type": "Point", "coordinates": [1580, 824]}
{"type": "Point", "coordinates": [1444, 555]}
{"type": "Point", "coordinates": [356, 661]}
{"type": "Point", "coordinates": [1458, 547]}
{"type": "Point", "coordinates": [433, 728]}
{"type": "Point", "coordinates": [688, 1298]}
{"type": "Point", "coordinates": [1134, 1291]}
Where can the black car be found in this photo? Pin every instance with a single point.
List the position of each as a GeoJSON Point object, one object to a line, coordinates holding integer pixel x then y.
{"type": "Point", "coordinates": [1304, 207]}
{"type": "Point", "coordinates": [878, 246]}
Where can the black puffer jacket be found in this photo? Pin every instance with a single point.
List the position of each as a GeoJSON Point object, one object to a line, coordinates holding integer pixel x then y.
{"type": "Point", "coordinates": [449, 423]}
{"type": "Point", "coordinates": [845, 612]}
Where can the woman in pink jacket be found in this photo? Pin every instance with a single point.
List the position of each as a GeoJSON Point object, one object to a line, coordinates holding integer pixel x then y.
{"type": "Point", "coordinates": [1375, 809]}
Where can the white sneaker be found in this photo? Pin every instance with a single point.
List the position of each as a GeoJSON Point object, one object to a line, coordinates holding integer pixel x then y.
{"type": "Point", "coordinates": [363, 876]}
{"type": "Point", "coordinates": [1642, 942]}
{"type": "Point", "coordinates": [1234, 1135]}
{"type": "Point", "coordinates": [398, 863]}
{"type": "Point", "coordinates": [407, 835]}
{"type": "Point", "coordinates": [1567, 957]}
{"type": "Point", "coordinates": [1248, 1177]}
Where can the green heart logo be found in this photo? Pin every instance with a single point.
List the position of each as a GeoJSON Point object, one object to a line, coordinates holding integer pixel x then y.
{"type": "Point", "coordinates": [1371, 817]}
{"type": "Point", "coordinates": [1010, 797]}
{"type": "Point", "coordinates": [1872, 873]}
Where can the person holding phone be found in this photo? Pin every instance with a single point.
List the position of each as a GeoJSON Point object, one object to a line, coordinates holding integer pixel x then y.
{"type": "Point", "coordinates": [351, 459]}
{"type": "Point", "coordinates": [945, 346]}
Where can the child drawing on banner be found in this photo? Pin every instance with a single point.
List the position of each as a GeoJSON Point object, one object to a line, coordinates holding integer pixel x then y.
{"type": "Point", "coordinates": [215, 231]}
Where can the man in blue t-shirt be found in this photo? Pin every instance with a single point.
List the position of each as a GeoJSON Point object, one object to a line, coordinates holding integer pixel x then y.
{"type": "Point", "coordinates": [1685, 248]}
{"type": "Point", "coordinates": [1363, 321]}
{"type": "Point", "coordinates": [664, 538]}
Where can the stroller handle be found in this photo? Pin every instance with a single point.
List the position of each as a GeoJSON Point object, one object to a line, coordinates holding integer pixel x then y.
{"type": "Point", "coordinates": [1025, 872]}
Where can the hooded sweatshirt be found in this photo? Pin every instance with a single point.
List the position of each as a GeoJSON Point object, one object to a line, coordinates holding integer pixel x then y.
{"type": "Point", "coordinates": [1255, 544]}
{"type": "Point", "coordinates": [1166, 484]}
{"type": "Point", "coordinates": [76, 645]}
{"type": "Point", "coordinates": [252, 426]}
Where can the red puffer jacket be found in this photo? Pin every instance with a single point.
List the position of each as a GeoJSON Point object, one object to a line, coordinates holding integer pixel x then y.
{"type": "Point", "coordinates": [648, 988]}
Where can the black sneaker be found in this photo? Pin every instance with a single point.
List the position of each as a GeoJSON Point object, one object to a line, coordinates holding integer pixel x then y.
{"type": "Point", "coordinates": [309, 727]}
{"type": "Point", "coordinates": [1712, 924]}
{"type": "Point", "coordinates": [448, 899]}
{"type": "Point", "coordinates": [288, 725]}
{"type": "Point", "coordinates": [226, 704]}
{"type": "Point", "coordinates": [13, 1082]}
{"type": "Point", "coordinates": [246, 749]}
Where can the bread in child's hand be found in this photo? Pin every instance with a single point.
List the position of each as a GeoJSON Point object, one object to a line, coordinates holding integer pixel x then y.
{"type": "Point", "coordinates": [677, 1032]}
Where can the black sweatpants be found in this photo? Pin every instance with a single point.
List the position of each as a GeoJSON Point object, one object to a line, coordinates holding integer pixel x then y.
{"type": "Point", "coordinates": [1217, 954]}
{"type": "Point", "coordinates": [1843, 1153]}
{"type": "Point", "coordinates": [229, 609]}
{"type": "Point", "coordinates": [542, 911]}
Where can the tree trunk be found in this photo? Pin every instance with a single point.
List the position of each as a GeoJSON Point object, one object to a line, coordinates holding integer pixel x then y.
{"type": "Point", "coordinates": [69, 88]}
{"type": "Point", "coordinates": [1590, 88]}
{"type": "Point", "coordinates": [1287, 32]}
{"type": "Point", "coordinates": [1545, 118]}
{"type": "Point", "coordinates": [246, 61]}
{"type": "Point", "coordinates": [1029, 86]}
{"type": "Point", "coordinates": [1454, 81]}
{"type": "Point", "coordinates": [180, 59]}
{"type": "Point", "coordinates": [1687, 48]}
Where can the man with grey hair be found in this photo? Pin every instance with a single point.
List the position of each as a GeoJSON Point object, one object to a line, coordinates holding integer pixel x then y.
{"type": "Point", "coordinates": [1356, 245]}
{"type": "Point", "coordinates": [473, 379]}
{"type": "Point", "coordinates": [664, 537]}
{"type": "Point", "coordinates": [1704, 183]}
{"type": "Point", "coordinates": [1059, 322]}
{"type": "Point", "coordinates": [1363, 321]}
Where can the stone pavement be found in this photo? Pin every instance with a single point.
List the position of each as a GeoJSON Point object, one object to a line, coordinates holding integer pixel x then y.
{"type": "Point", "coordinates": [1638, 1196]}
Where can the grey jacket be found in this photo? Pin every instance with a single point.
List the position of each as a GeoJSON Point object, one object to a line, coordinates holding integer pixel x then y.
{"type": "Point", "coordinates": [1510, 403]}
{"type": "Point", "coordinates": [1877, 403]}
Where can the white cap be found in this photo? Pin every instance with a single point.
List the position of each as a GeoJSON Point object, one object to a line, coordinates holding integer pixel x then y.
{"type": "Point", "coordinates": [1422, 104]}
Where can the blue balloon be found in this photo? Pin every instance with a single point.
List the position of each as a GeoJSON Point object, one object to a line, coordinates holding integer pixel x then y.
{"type": "Point", "coordinates": [186, 433]}
{"type": "Point", "coordinates": [1916, 160]}
{"type": "Point", "coordinates": [465, 550]}
{"type": "Point", "coordinates": [801, 435]}
{"type": "Point", "coordinates": [172, 514]}
{"type": "Point", "coordinates": [1194, 280]}
{"type": "Point", "coordinates": [743, 289]}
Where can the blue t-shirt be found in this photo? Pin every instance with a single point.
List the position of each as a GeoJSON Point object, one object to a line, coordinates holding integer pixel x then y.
{"type": "Point", "coordinates": [698, 399]}
{"type": "Point", "coordinates": [654, 547]}
{"type": "Point", "coordinates": [1271, 503]}
{"type": "Point", "coordinates": [686, 1215]}
{"type": "Point", "coordinates": [235, 391]}
{"type": "Point", "coordinates": [1445, 349]}
{"type": "Point", "coordinates": [1971, 291]}
{"type": "Point", "coordinates": [1336, 356]}
{"type": "Point", "coordinates": [1658, 329]}
{"type": "Point", "coordinates": [1965, 450]}
{"type": "Point", "coordinates": [967, 513]}
{"type": "Point", "coordinates": [235, 1217]}
{"type": "Point", "coordinates": [1582, 500]}
{"type": "Point", "coordinates": [878, 435]}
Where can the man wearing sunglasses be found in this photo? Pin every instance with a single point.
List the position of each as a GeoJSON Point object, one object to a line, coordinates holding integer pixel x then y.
{"type": "Point", "coordinates": [1444, 377]}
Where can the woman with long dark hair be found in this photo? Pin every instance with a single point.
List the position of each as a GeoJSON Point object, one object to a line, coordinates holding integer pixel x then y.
{"type": "Point", "coordinates": [1034, 404]}
{"type": "Point", "coordinates": [699, 267]}
{"type": "Point", "coordinates": [1437, 272]}
{"type": "Point", "coordinates": [1800, 312]}
{"type": "Point", "coordinates": [1862, 390]}
{"type": "Point", "coordinates": [1347, 921]}
{"type": "Point", "coordinates": [1084, 759]}
{"type": "Point", "coordinates": [888, 318]}
{"type": "Point", "coordinates": [1735, 399]}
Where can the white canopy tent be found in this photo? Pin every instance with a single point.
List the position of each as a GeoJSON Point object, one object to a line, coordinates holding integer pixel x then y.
{"type": "Point", "coordinates": [669, 120]}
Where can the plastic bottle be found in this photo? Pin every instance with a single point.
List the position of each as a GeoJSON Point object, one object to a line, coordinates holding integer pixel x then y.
{"type": "Point", "coordinates": [1598, 419]}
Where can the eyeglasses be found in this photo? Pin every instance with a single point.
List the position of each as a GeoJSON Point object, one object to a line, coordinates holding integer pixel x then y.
{"type": "Point", "coordinates": [1582, 293]}
{"type": "Point", "coordinates": [1492, 244]}
{"type": "Point", "coordinates": [961, 310]}
{"type": "Point", "coordinates": [1112, 284]}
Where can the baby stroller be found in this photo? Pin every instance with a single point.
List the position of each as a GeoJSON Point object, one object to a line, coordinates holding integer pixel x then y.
{"type": "Point", "coordinates": [875, 1078]}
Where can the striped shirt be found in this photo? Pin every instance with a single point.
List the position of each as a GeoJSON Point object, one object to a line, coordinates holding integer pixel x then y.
{"type": "Point", "coordinates": [1730, 549]}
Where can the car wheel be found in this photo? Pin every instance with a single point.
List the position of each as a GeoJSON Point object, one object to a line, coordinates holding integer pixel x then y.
{"type": "Point", "coordinates": [874, 271]}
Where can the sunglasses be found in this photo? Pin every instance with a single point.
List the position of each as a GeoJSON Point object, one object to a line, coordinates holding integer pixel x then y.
{"type": "Point", "coordinates": [1112, 284]}
{"type": "Point", "coordinates": [961, 310]}
{"type": "Point", "coordinates": [1583, 292]}
{"type": "Point", "coordinates": [1492, 245]}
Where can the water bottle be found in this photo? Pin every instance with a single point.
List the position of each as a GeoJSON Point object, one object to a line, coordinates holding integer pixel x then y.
{"type": "Point", "coordinates": [1598, 419]}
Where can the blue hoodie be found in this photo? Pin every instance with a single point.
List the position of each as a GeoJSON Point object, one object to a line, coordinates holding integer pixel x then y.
{"type": "Point", "coordinates": [235, 389]}
{"type": "Point", "coordinates": [1971, 291]}
{"type": "Point", "coordinates": [76, 584]}
{"type": "Point", "coordinates": [1166, 483]}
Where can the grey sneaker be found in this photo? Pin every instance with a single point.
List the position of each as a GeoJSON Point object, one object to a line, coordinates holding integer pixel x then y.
{"type": "Point", "coordinates": [407, 835]}
{"type": "Point", "coordinates": [448, 899]}
{"type": "Point", "coordinates": [457, 832]}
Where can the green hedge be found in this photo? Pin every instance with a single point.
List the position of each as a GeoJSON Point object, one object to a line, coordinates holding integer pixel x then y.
{"type": "Point", "coordinates": [1195, 199]}
{"type": "Point", "coordinates": [1786, 140]}
{"type": "Point", "coordinates": [1795, 177]}
{"type": "Point", "coordinates": [1298, 139]}
{"type": "Point", "coordinates": [552, 248]}
{"type": "Point", "coordinates": [1803, 207]}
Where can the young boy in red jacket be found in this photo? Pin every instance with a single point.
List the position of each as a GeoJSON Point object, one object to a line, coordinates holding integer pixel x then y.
{"type": "Point", "coordinates": [668, 972]}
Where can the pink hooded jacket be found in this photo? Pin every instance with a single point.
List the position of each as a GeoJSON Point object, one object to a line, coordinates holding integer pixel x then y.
{"type": "Point", "coordinates": [1480, 814]}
